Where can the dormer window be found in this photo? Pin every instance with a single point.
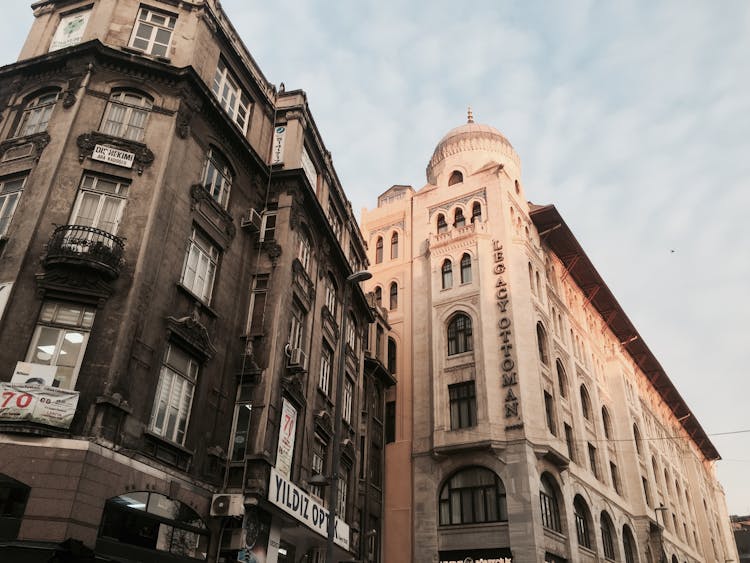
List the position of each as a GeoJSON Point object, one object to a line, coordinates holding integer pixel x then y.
{"type": "Point", "coordinates": [456, 178]}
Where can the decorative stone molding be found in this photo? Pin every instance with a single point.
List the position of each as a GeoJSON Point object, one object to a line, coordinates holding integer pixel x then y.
{"type": "Point", "coordinates": [323, 423]}
{"type": "Point", "coordinates": [474, 140]}
{"type": "Point", "coordinates": [273, 250]}
{"type": "Point", "coordinates": [73, 283]}
{"type": "Point", "coordinates": [212, 210]}
{"type": "Point", "coordinates": [37, 140]}
{"type": "Point", "coordinates": [446, 206]}
{"type": "Point", "coordinates": [293, 387]}
{"type": "Point", "coordinates": [190, 330]}
{"type": "Point", "coordinates": [86, 143]}
{"type": "Point", "coordinates": [389, 227]}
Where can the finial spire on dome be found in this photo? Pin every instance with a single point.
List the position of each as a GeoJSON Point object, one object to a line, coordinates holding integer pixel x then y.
{"type": "Point", "coordinates": [470, 116]}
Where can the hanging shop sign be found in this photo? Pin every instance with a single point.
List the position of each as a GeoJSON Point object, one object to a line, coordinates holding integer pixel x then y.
{"type": "Point", "coordinates": [499, 555]}
{"type": "Point", "coordinates": [114, 156]}
{"type": "Point", "coordinates": [287, 432]}
{"type": "Point", "coordinates": [277, 151]}
{"type": "Point", "coordinates": [37, 403]}
{"type": "Point", "coordinates": [297, 503]}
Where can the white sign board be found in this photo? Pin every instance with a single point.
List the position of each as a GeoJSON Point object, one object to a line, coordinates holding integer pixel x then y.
{"type": "Point", "coordinates": [296, 502]}
{"type": "Point", "coordinates": [34, 403]}
{"type": "Point", "coordinates": [27, 373]}
{"type": "Point", "coordinates": [70, 30]}
{"type": "Point", "coordinates": [277, 152]}
{"type": "Point", "coordinates": [113, 156]}
{"type": "Point", "coordinates": [287, 432]}
{"type": "Point", "coordinates": [309, 168]}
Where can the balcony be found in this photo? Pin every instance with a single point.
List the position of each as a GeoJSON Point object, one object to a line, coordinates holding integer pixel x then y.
{"type": "Point", "coordinates": [78, 245]}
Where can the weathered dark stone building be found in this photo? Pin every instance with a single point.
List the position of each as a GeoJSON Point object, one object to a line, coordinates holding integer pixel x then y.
{"type": "Point", "coordinates": [174, 249]}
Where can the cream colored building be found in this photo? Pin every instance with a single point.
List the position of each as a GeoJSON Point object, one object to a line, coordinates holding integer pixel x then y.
{"type": "Point", "coordinates": [532, 422]}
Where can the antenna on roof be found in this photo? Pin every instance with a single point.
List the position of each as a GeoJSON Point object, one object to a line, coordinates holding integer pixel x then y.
{"type": "Point", "coordinates": [470, 116]}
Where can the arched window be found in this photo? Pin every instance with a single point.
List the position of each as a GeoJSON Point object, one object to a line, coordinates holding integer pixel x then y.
{"type": "Point", "coordinates": [549, 504]}
{"type": "Point", "coordinates": [447, 274]}
{"type": "Point", "coordinates": [583, 521]}
{"type": "Point", "coordinates": [379, 250]}
{"type": "Point", "coordinates": [391, 355]}
{"type": "Point", "coordinates": [13, 497]}
{"type": "Point", "coordinates": [217, 176]}
{"type": "Point", "coordinates": [637, 438]}
{"type": "Point", "coordinates": [379, 296]}
{"type": "Point", "coordinates": [458, 219]}
{"type": "Point", "coordinates": [156, 527]}
{"type": "Point", "coordinates": [562, 379]}
{"type": "Point", "coordinates": [37, 113]}
{"type": "Point", "coordinates": [476, 212]}
{"type": "Point", "coordinates": [607, 423]}
{"type": "Point", "coordinates": [126, 115]}
{"type": "Point", "coordinates": [394, 245]}
{"type": "Point", "coordinates": [531, 279]}
{"type": "Point", "coordinates": [473, 496]}
{"type": "Point", "coordinates": [628, 544]}
{"type": "Point", "coordinates": [393, 304]}
{"type": "Point", "coordinates": [442, 225]}
{"type": "Point", "coordinates": [541, 342]}
{"type": "Point", "coordinates": [674, 559]}
{"type": "Point", "coordinates": [608, 544]}
{"type": "Point", "coordinates": [585, 403]}
{"type": "Point", "coordinates": [466, 268]}
{"type": "Point", "coordinates": [459, 335]}
{"type": "Point", "coordinates": [456, 178]}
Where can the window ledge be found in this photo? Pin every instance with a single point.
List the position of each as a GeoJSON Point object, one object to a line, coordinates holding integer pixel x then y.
{"type": "Point", "coordinates": [559, 536]}
{"type": "Point", "coordinates": [202, 304]}
{"type": "Point", "coordinates": [154, 436]}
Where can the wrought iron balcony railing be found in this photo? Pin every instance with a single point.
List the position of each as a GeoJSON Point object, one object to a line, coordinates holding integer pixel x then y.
{"type": "Point", "coordinates": [85, 246]}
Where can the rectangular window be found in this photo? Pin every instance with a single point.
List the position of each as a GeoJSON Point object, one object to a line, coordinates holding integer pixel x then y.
{"type": "Point", "coordinates": [592, 461]}
{"type": "Point", "coordinates": [351, 334]}
{"type": "Point", "coordinates": [60, 339]}
{"type": "Point", "coordinates": [646, 491]}
{"type": "Point", "coordinates": [331, 296]}
{"type": "Point", "coordinates": [318, 463]}
{"type": "Point", "coordinates": [268, 226]}
{"type": "Point", "coordinates": [341, 492]}
{"type": "Point", "coordinates": [241, 432]}
{"type": "Point", "coordinates": [152, 32]}
{"type": "Point", "coordinates": [174, 395]}
{"type": "Point", "coordinates": [297, 328]}
{"type": "Point", "coordinates": [199, 270]}
{"type": "Point", "coordinates": [10, 193]}
{"type": "Point", "coordinates": [257, 305]}
{"type": "Point", "coordinates": [615, 478]}
{"type": "Point", "coordinates": [100, 203]}
{"type": "Point", "coordinates": [570, 442]}
{"type": "Point", "coordinates": [347, 400]}
{"type": "Point", "coordinates": [230, 96]}
{"type": "Point", "coordinates": [37, 114]}
{"type": "Point", "coordinates": [362, 457]}
{"type": "Point", "coordinates": [326, 361]}
{"type": "Point", "coordinates": [334, 219]}
{"type": "Point", "coordinates": [463, 405]}
{"type": "Point", "coordinates": [549, 409]}
{"type": "Point", "coordinates": [390, 422]}
{"type": "Point", "coordinates": [126, 115]}
{"type": "Point", "coordinates": [550, 513]}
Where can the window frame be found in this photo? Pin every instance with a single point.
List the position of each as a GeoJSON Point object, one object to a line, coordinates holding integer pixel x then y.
{"type": "Point", "coordinates": [239, 412]}
{"type": "Point", "coordinates": [466, 268]}
{"type": "Point", "coordinates": [394, 245]}
{"type": "Point", "coordinates": [446, 274]}
{"type": "Point", "coordinates": [449, 495]}
{"type": "Point", "coordinates": [37, 113]}
{"type": "Point", "coordinates": [217, 176]}
{"type": "Point", "coordinates": [462, 405]}
{"type": "Point", "coordinates": [169, 26]}
{"type": "Point", "coordinates": [208, 256]}
{"type": "Point", "coordinates": [118, 102]}
{"type": "Point", "coordinates": [122, 189]}
{"type": "Point", "coordinates": [582, 517]}
{"type": "Point", "coordinates": [12, 195]}
{"type": "Point", "coordinates": [459, 220]}
{"type": "Point", "coordinates": [460, 339]}
{"type": "Point", "coordinates": [318, 462]}
{"type": "Point", "coordinates": [393, 296]}
{"type": "Point", "coordinates": [186, 395]}
{"type": "Point", "coordinates": [379, 250]}
{"type": "Point", "coordinates": [324, 373]}
{"type": "Point", "coordinates": [347, 400]}
{"type": "Point", "coordinates": [230, 95]}
{"type": "Point", "coordinates": [550, 507]}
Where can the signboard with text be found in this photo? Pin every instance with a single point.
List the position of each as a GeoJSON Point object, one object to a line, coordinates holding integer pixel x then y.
{"type": "Point", "coordinates": [113, 156]}
{"type": "Point", "coordinates": [37, 403]}
{"type": "Point", "coordinates": [296, 502]}
{"type": "Point", "coordinates": [277, 152]}
{"type": "Point", "coordinates": [287, 432]}
{"type": "Point", "coordinates": [70, 30]}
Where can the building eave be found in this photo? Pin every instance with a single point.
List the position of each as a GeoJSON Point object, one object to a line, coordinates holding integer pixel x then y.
{"type": "Point", "coordinates": [556, 234]}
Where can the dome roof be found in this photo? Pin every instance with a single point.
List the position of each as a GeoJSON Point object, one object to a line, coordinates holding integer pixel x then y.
{"type": "Point", "coordinates": [471, 137]}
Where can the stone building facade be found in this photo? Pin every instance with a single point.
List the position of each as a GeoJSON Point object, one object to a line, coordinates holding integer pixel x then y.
{"type": "Point", "coordinates": [174, 252]}
{"type": "Point", "coordinates": [533, 421]}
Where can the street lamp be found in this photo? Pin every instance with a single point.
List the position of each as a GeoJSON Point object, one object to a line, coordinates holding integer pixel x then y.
{"type": "Point", "coordinates": [354, 278]}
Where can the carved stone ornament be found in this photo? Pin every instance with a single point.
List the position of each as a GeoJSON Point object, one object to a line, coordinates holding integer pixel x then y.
{"type": "Point", "coordinates": [214, 211]}
{"type": "Point", "coordinates": [298, 115]}
{"type": "Point", "coordinates": [69, 99]}
{"type": "Point", "coordinates": [86, 143]}
{"type": "Point", "coordinates": [39, 140]}
{"type": "Point", "coordinates": [190, 330]}
{"type": "Point", "coordinates": [184, 116]}
{"type": "Point", "coordinates": [73, 283]}
{"type": "Point", "coordinates": [273, 250]}
{"type": "Point", "coordinates": [347, 449]}
{"type": "Point", "coordinates": [324, 423]}
{"type": "Point", "coordinates": [294, 389]}
{"type": "Point", "coordinates": [446, 206]}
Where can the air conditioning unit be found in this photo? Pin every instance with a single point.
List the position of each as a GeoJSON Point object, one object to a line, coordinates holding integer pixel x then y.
{"type": "Point", "coordinates": [233, 539]}
{"type": "Point", "coordinates": [297, 359]}
{"type": "Point", "coordinates": [228, 505]}
{"type": "Point", "coordinates": [251, 221]}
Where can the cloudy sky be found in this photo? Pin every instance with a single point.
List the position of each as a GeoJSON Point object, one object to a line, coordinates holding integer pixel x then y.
{"type": "Point", "coordinates": [633, 118]}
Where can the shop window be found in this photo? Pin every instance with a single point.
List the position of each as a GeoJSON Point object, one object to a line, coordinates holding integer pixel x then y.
{"type": "Point", "coordinates": [473, 495]}
{"type": "Point", "coordinates": [174, 395]}
{"type": "Point", "coordinates": [159, 528]}
{"type": "Point", "coordinates": [463, 405]}
{"type": "Point", "coordinates": [126, 115]}
{"type": "Point", "coordinates": [459, 335]}
{"type": "Point", "coordinates": [456, 178]}
{"type": "Point", "coordinates": [379, 250]}
{"type": "Point", "coordinates": [60, 339]}
{"type": "Point", "coordinates": [394, 246]}
{"type": "Point", "coordinates": [13, 498]}
{"type": "Point", "coordinates": [100, 203]}
{"type": "Point", "coordinates": [608, 544]}
{"type": "Point", "coordinates": [37, 113]}
{"type": "Point", "coordinates": [217, 177]}
{"type": "Point", "coordinates": [199, 270]}
{"type": "Point", "coordinates": [240, 432]}
{"type": "Point", "coordinates": [446, 272]}
{"type": "Point", "coordinates": [548, 499]}
{"type": "Point", "coordinates": [583, 517]}
{"type": "Point", "coordinates": [466, 268]}
{"type": "Point", "coordinates": [152, 32]}
{"type": "Point", "coordinates": [10, 192]}
{"type": "Point", "coordinates": [442, 225]}
{"type": "Point", "coordinates": [230, 96]}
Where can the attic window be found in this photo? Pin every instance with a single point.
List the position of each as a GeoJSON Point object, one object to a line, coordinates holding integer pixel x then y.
{"type": "Point", "coordinates": [456, 178]}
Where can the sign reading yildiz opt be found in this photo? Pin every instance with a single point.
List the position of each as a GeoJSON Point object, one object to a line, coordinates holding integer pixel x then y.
{"type": "Point", "coordinates": [113, 156]}
{"type": "Point", "coordinates": [287, 432]}
{"type": "Point", "coordinates": [34, 403]}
